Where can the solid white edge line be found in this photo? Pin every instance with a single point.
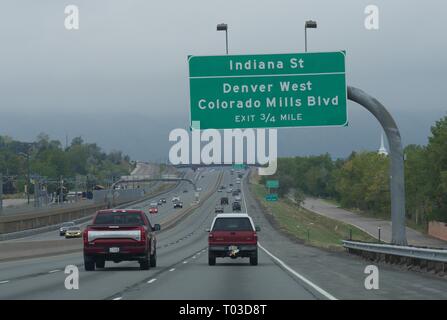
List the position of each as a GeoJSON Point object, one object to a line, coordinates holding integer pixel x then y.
{"type": "Point", "coordinates": [53, 271]}
{"type": "Point", "coordinates": [296, 274]}
{"type": "Point", "coordinates": [118, 298]}
{"type": "Point", "coordinates": [4, 281]}
{"type": "Point", "coordinates": [279, 261]}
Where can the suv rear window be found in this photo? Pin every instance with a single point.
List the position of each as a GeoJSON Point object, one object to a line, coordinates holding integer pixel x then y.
{"type": "Point", "coordinates": [232, 224]}
{"type": "Point", "coordinates": [119, 218]}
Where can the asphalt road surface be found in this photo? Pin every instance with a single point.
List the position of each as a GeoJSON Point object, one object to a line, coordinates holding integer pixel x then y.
{"type": "Point", "coordinates": [370, 225]}
{"type": "Point", "coordinates": [286, 270]}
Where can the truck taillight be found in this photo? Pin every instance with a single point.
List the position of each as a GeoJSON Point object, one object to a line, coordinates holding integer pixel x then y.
{"type": "Point", "coordinates": [210, 235]}
{"type": "Point", "coordinates": [85, 237]}
{"type": "Point", "coordinates": [142, 234]}
{"type": "Point", "coordinates": [255, 236]}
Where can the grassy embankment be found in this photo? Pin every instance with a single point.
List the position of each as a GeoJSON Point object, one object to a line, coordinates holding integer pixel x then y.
{"type": "Point", "coordinates": [308, 227]}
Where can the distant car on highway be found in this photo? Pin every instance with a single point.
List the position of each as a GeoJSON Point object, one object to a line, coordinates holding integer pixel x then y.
{"type": "Point", "coordinates": [175, 199]}
{"type": "Point", "coordinates": [236, 206]}
{"type": "Point", "coordinates": [73, 232]}
{"type": "Point", "coordinates": [163, 200]}
{"type": "Point", "coordinates": [160, 202]}
{"type": "Point", "coordinates": [154, 204]}
{"type": "Point", "coordinates": [219, 209]}
{"type": "Point", "coordinates": [120, 235]}
{"type": "Point", "coordinates": [153, 210]}
{"type": "Point", "coordinates": [233, 235]}
{"type": "Point", "coordinates": [199, 189]}
{"type": "Point", "coordinates": [178, 204]}
{"type": "Point", "coordinates": [185, 191]}
{"type": "Point", "coordinates": [224, 201]}
{"type": "Point", "coordinates": [65, 226]}
{"type": "Point", "coordinates": [237, 198]}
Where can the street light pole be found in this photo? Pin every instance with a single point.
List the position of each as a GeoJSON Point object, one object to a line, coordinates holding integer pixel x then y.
{"type": "Point", "coordinates": [224, 27]}
{"type": "Point", "coordinates": [26, 155]}
{"type": "Point", "coordinates": [309, 24]}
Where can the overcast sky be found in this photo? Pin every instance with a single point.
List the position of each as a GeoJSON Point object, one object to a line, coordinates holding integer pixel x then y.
{"type": "Point", "coordinates": [121, 80]}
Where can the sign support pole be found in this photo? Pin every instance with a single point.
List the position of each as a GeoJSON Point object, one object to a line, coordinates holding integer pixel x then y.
{"type": "Point", "coordinates": [397, 179]}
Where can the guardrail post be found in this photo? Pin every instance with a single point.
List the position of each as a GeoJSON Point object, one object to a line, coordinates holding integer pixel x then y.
{"type": "Point", "coordinates": [379, 229]}
{"type": "Point", "coordinates": [397, 183]}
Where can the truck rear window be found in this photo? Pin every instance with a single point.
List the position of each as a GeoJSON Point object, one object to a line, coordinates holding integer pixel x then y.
{"type": "Point", "coordinates": [232, 224]}
{"type": "Point", "coordinates": [119, 218]}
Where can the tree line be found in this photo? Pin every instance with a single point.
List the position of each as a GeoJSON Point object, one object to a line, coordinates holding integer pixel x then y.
{"type": "Point", "coordinates": [49, 159]}
{"type": "Point", "coordinates": [361, 181]}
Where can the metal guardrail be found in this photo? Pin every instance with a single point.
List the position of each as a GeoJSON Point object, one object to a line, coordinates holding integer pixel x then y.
{"type": "Point", "coordinates": [439, 255]}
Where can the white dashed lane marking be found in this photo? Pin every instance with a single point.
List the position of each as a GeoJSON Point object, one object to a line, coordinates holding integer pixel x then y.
{"type": "Point", "coordinates": [170, 270]}
{"type": "Point", "coordinates": [53, 271]}
{"type": "Point", "coordinates": [152, 280]}
{"type": "Point", "coordinates": [4, 281]}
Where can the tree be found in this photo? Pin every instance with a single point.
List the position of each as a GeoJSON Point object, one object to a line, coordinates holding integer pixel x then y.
{"type": "Point", "coordinates": [299, 197]}
{"type": "Point", "coordinates": [437, 168]}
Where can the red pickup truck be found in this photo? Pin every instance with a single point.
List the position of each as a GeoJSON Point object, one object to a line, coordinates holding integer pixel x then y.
{"type": "Point", "coordinates": [120, 235]}
{"type": "Point", "coordinates": [232, 235]}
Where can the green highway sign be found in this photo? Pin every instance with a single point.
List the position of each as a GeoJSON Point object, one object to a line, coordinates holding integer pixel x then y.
{"type": "Point", "coordinates": [268, 91]}
{"type": "Point", "coordinates": [271, 197]}
{"type": "Point", "coordinates": [272, 184]}
{"type": "Point", "coordinates": [238, 166]}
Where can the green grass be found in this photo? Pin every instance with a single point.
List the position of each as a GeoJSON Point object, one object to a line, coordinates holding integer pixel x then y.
{"type": "Point", "coordinates": [310, 228]}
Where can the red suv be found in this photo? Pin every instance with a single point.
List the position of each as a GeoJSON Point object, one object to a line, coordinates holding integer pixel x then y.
{"type": "Point", "coordinates": [120, 235]}
{"type": "Point", "coordinates": [233, 235]}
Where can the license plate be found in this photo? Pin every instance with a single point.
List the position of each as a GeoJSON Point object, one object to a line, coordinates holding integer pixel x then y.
{"type": "Point", "coordinates": [114, 250]}
{"type": "Point", "coordinates": [232, 248]}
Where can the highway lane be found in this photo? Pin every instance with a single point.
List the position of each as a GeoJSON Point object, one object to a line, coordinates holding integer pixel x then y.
{"type": "Point", "coordinates": [183, 272]}
{"type": "Point", "coordinates": [32, 278]}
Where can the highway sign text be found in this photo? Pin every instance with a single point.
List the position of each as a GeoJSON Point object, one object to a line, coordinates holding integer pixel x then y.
{"type": "Point", "coordinates": [267, 91]}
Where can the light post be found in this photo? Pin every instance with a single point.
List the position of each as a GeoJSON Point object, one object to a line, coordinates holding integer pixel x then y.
{"type": "Point", "coordinates": [308, 25]}
{"type": "Point", "coordinates": [224, 27]}
{"type": "Point", "coordinates": [28, 183]}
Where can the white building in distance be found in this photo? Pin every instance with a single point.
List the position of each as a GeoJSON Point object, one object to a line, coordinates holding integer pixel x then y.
{"type": "Point", "coordinates": [382, 149]}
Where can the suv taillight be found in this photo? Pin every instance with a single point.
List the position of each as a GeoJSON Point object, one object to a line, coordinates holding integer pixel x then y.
{"type": "Point", "coordinates": [255, 236]}
{"type": "Point", "coordinates": [210, 235]}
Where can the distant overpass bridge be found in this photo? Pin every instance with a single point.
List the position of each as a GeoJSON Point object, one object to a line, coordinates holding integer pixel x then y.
{"type": "Point", "coordinates": [148, 179]}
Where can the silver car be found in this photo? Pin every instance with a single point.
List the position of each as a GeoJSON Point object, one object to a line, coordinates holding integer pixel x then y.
{"type": "Point", "coordinates": [65, 227]}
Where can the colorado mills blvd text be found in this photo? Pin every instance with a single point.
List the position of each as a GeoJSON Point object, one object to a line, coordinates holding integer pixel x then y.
{"type": "Point", "coordinates": [278, 90]}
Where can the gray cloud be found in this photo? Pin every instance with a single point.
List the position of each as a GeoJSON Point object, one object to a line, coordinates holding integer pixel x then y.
{"type": "Point", "coordinates": [126, 66]}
